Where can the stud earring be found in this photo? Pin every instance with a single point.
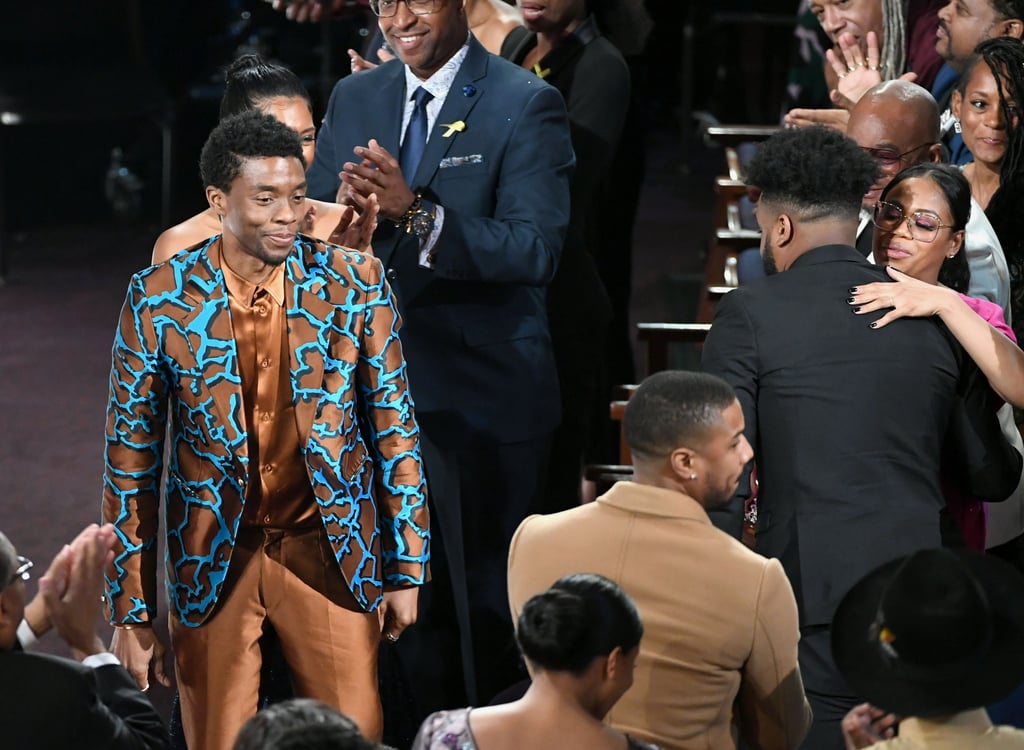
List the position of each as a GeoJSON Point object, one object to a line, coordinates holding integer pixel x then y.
{"type": "Point", "coordinates": [951, 256]}
{"type": "Point", "coordinates": [956, 127]}
{"type": "Point", "coordinates": [693, 476]}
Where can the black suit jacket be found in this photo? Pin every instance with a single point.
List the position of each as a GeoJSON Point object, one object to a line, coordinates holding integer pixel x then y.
{"type": "Point", "coordinates": [848, 424]}
{"type": "Point", "coordinates": [49, 702]}
{"type": "Point", "coordinates": [592, 76]}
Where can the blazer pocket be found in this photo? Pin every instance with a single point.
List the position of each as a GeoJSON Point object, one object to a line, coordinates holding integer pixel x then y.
{"type": "Point", "coordinates": [480, 332]}
{"type": "Point", "coordinates": [460, 171]}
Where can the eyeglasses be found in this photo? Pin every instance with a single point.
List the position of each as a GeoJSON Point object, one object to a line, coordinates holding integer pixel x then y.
{"type": "Point", "coordinates": [923, 226]}
{"type": "Point", "coordinates": [388, 8]}
{"type": "Point", "coordinates": [889, 158]}
{"type": "Point", "coordinates": [24, 566]}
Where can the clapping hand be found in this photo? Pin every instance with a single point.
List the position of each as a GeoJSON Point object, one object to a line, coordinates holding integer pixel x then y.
{"type": "Point", "coordinates": [380, 174]}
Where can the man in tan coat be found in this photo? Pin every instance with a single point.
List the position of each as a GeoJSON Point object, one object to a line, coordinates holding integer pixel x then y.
{"type": "Point", "coordinates": [719, 656]}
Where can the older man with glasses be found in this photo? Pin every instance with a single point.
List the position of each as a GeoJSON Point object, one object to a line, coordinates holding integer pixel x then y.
{"type": "Point", "coordinates": [51, 702]}
{"type": "Point", "coordinates": [897, 123]}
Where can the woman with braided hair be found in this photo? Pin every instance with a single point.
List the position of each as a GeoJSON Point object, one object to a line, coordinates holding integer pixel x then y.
{"type": "Point", "coordinates": [986, 105]}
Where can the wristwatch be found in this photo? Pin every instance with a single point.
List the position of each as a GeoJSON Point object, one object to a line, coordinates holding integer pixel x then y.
{"type": "Point", "coordinates": [418, 220]}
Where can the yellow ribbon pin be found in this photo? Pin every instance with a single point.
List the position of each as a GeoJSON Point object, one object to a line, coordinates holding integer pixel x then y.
{"type": "Point", "coordinates": [542, 72]}
{"type": "Point", "coordinates": [456, 127]}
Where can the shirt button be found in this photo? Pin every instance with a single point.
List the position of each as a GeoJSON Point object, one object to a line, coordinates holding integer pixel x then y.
{"type": "Point", "coordinates": [265, 364]}
{"type": "Point", "coordinates": [430, 258]}
{"type": "Point", "coordinates": [261, 309]}
{"type": "Point", "coordinates": [266, 519]}
{"type": "Point", "coordinates": [392, 274]}
{"type": "Point", "coordinates": [266, 416]}
{"type": "Point", "coordinates": [268, 469]}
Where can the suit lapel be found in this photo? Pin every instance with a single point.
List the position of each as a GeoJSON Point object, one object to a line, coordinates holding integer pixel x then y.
{"type": "Point", "coordinates": [206, 321]}
{"type": "Point", "coordinates": [457, 106]}
{"type": "Point", "coordinates": [389, 107]}
{"type": "Point", "coordinates": [311, 320]}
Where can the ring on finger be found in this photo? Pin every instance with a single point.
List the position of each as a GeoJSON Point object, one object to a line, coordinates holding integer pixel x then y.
{"type": "Point", "coordinates": [145, 688]}
{"type": "Point", "coordinates": [843, 75]}
{"type": "Point", "coordinates": [391, 638]}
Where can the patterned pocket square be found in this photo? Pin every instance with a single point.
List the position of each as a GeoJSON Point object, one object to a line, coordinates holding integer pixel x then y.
{"type": "Point", "coordinates": [458, 161]}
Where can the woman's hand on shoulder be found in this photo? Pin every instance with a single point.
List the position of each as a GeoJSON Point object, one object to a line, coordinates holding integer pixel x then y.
{"type": "Point", "coordinates": [907, 297]}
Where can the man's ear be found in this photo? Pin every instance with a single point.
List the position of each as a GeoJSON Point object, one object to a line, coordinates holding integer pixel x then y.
{"type": "Point", "coordinates": [7, 614]}
{"type": "Point", "coordinates": [682, 460]}
{"type": "Point", "coordinates": [782, 231]}
{"type": "Point", "coordinates": [935, 153]}
{"type": "Point", "coordinates": [217, 199]}
{"type": "Point", "coordinates": [1011, 27]}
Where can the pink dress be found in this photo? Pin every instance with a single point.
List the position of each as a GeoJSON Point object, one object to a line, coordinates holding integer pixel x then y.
{"type": "Point", "coordinates": [968, 513]}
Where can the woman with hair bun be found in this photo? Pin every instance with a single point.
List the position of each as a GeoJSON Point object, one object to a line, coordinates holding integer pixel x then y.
{"type": "Point", "coordinates": [580, 640]}
{"type": "Point", "coordinates": [251, 82]}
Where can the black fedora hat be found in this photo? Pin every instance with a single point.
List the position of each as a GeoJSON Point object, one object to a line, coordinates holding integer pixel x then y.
{"type": "Point", "coordinates": [933, 634]}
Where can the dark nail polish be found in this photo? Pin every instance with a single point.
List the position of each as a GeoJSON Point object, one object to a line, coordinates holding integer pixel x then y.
{"type": "Point", "coordinates": [851, 300]}
{"type": "Point", "coordinates": [856, 309]}
{"type": "Point", "coordinates": [853, 290]}
{"type": "Point", "coordinates": [873, 325]}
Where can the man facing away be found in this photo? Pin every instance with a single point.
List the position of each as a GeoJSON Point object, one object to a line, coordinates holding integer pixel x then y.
{"type": "Point", "coordinates": [849, 424]}
{"type": "Point", "coordinates": [469, 157]}
{"type": "Point", "coordinates": [718, 657]}
{"type": "Point", "coordinates": [51, 703]}
{"type": "Point", "coordinates": [294, 491]}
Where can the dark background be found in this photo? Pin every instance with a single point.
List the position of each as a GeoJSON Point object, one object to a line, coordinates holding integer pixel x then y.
{"type": "Point", "coordinates": [106, 70]}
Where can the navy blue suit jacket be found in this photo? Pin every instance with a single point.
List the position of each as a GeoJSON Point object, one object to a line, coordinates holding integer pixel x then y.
{"type": "Point", "coordinates": [475, 330]}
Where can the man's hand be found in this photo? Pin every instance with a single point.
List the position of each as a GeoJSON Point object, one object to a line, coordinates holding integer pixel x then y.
{"type": "Point", "coordinates": [36, 614]}
{"type": "Point", "coordinates": [856, 70]}
{"type": "Point", "coordinates": [380, 174]}
{"type": "Point", "coordinates": [136, 649]}
{"type": "Point", "coordinates": [71, 588]}
{"type": "Point", "coordinates": [398, 611]}
{"type": "Point", "coordinates": [866, 725]}
{"type": "Point", "coordinates": [832, 118]}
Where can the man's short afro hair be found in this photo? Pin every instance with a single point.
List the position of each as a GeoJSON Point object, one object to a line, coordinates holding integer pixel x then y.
{"type": "Point", "coordinates": [817, 171]}
{"type": "Point", "coordinates": [249, 135]}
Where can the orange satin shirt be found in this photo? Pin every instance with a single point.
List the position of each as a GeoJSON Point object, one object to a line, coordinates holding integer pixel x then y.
{"type": "Point", "coordinates": [283, 497]}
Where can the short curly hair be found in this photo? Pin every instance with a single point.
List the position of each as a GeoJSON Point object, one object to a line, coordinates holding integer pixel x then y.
{"type": "Point", "coordinates": [249, 135]}
{"type": "Point", "coordinates": [814, 172]}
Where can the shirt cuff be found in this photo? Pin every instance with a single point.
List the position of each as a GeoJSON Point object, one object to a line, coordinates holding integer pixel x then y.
{"type": "Point", "coordinates": [101, 659]}
{"type": "Point", "coordinates": [427, 248]}
{"type": "Point", "coordinates": [25, 635]}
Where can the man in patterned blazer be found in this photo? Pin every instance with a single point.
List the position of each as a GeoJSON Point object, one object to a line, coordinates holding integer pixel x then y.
{"type": "Point", "coordinates": [294, 491]}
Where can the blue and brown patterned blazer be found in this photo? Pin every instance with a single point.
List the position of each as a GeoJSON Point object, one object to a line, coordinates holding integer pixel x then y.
{"type": "Point", "coordinates": [175, 361]}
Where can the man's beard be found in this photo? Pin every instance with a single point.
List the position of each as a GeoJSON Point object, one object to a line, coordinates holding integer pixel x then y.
{"type": "Point", "coordinates": [768, 258]}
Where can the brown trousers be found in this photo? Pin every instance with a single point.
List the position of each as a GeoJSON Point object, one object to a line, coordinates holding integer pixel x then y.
{"type": "Point", "coordinates": [291, 580]}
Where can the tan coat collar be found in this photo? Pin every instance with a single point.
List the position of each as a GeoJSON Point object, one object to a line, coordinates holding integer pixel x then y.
{"type": "Point", "coordinates": [654, 501]}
